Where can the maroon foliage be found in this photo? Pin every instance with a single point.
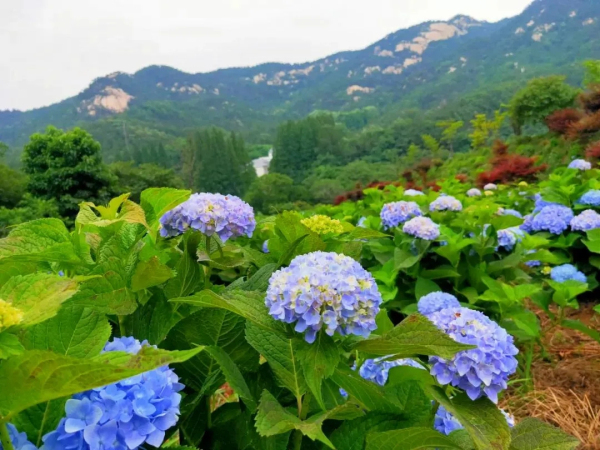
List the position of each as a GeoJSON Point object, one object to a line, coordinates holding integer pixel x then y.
{"type": "Point", "coordinates": [561, 121]}
{"type": "Point", "coordinates": [508, 168]}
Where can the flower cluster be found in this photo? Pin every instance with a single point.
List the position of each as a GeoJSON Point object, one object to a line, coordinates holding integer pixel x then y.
{"type": "Point", "coordinates": [445, 203]}
{"type": "Point", "coordinates": [446, 423]}
{"type": "Point", "coordinates": [510, 212]}
{"type": "Point", "coordinates": [423, 228]}
{"type": "Point", "coordinates": [226, 215]}
{"type": "Point", "coordinates": [490, 187]}
{"type": "Point", "coordinates": [553, 218]}
{"type": "Point", "coordinates": [377, 370]}
{"type": "Point", "coordinates": [474, 193]}
{"type": "Point", "coordinates": [9, 315]}
{"type": "Point", "coordinates": [540, 203]}
{"type": "Point", "coordinates": [324, 289]}
{"type": "Point", "coordinates": [412, 193]}
{"type": "Point", "coordinates": [567, 272]}
{"type": "Point", "coordinates": [436, 301]}
{"type": "Point", "coordinates": [509, 237]}
{"type": "Point", "coordinates": [123, 415]}
{"type": "Point", "coordinates": [480, 371]}
{"type": "Point", "coordinates": [265, 246]}
{"type": "Point", "coordinates": [580, 164]}
{"type": "Point", "coordinates": [591, 198]}
{"type": "Point", "coordinates": [393, 214]}
{"type": "Point", "coordinates": [18, 440]}
{"type": "Point", "coordinates": [585, 221]}
{"type": "Point", "coordinates": [323, 224]}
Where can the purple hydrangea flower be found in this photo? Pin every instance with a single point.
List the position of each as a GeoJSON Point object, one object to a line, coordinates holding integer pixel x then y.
{"type": "Point", "coordinates": [474, 192]}
{"type": "Point", "coordinates": [226, 215]}
{"type": "Point", "coordinates": [591, 198]}
{"type": "Point", "coordinates": [480, 371]}
{"type": "Point", "coordinates": [540, 203]}
{"type": "Point", "coordinates": [510, 212]}
{"type": "Point", "coordinates": [580, 164]}
{"type": "Point", "coordinates": [490, 187]}
{"type": "Point", "coordinates": [586, 221]}
{"type": "Point", "coordinates": [265, 246]}
{"type": "Point", "coordinates": [328, 290]}
{"type": "Point", "coordinates": [509, 237]}
{"type": "Point", "coordinates": [413, 193]}
{"type": "Point", "coordinates": [553, 218]}
{"type": "Point", "coordinates": [18, 440]}
{"type": "Point", "coordinates": [393, 214]}
{"type": "Point", "coordinates": [436, 301]}
{"type": "Point", "coordinates": [534, 263]}
{"type": "Point", "coordinates": [446, 423]}
{"type": "Point", "coordinates": [121, 416]}
{"type": "Point", "coordinates": [377, 370]}
{"type": "Point", "coordinates": [423, 228]}
{"type": "Point", "coordinates": [445, 203]}
{"type": "Point", "coordinates": [567, 272]}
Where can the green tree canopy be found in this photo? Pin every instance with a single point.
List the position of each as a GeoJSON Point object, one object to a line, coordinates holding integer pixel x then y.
{"type": "Point", "coordinates": [133, 180]}
{"type": "Point", "coordinates": [269, 190]}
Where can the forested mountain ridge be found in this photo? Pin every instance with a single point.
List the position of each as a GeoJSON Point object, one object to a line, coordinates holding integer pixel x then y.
{"type": "Point", "coordinates": [425, 66]}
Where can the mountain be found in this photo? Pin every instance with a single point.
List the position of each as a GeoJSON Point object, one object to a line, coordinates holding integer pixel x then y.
{"type": "Point", "coordinates": [426, 66]}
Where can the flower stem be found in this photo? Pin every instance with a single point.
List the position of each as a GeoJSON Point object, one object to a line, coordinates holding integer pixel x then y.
{"type": "Point", "coordinates": [5, 438]}
{"type": "Point", "coordinates": [209, 413]}
{"type": "Point", "coordinates": [208, 267]}
{"type": "Point", "coordinates": [122, 326]}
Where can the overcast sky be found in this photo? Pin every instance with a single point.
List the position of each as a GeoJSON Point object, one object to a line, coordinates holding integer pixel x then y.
{"type": "Point", "coordinates": [52, 49]}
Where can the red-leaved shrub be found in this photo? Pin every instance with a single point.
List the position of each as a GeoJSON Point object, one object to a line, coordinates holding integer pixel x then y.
{"type": "Point", "coordinates": [462, 177]}
{"type": "Point", "coordinates": [508, 167]}
{"type": "Point", "coordinates": [561, 121]}
{"type": "Point", "coordinates": [590, 100]}
{"type": "Point", "coordinates": [589, 124]}
{"type": "Point", "coordinates": [593, 152]}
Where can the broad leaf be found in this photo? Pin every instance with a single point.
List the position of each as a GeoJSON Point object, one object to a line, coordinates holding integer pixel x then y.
{"type": "Point", "coordinates": [157, 201]}
{"type": "Point", "coordinates": [409, 439]}
{"type": "Point", "coordinates": [352, 434]}
{"type": "Point", "coordinates": [40, 419]}
{"type": "Point", "coordinates": [10, 345]}
{"type": "Point", "coordinates": [533, 434]}
{"type": "Point", "coordinates": [150, 273]}
{"type": "Point", "coordinates": [318, 361]}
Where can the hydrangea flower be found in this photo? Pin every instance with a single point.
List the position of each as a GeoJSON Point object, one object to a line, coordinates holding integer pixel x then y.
{"type": "Point", "coordinates": [553, 218]}
{"type": "Point", "coordinates": [446, 423]}
{"type": "Point", "coordinates": [533, 263]}
{"type": "Point", "coordinates": [226, 215]}
{"type": "Point", "coordinates": [480, 371]}
{"type": "Point", "coordinates": [445, 203]}
{"type": "Point", "coordinates": [585, 221]}
{"type": "Point", "coordinates": [321, 224]}
{"type": "Point", "coordinates": [377, 370]}
{"type": "Point", "coordinates": [328, 290]}
{"type": "Point", "coordinates": [591, 198]}
{"type": "Point", "coordinates": [509, 237]}
{"type": "Point", "coordinates": [412, 193]}
{"type": "Point", "coordinates": [361, 222]}
{"type": "Point", "coordinates": [567, 272]}
{"type": "Point", "coordinates": [474, 192]}
{"type": "Point", "coordinates": [18, 440]}
{"type": "Point", "coordinates": [123, 415]}
{"type": "Point", "coordinates": [423, 228]}
{"type": "Point", "coordinates": [9, 315]}
{"type": "Point", "coordinates": [540, 203]}
{"type": "Point", "coordinates": [510, 212]}
{"type": "Point", "coordinates": [580, 164]}
{"type": "Point", "coordinates": [436, 301]}
{"type": "Point", "coordinates": [490, 187]}
{"type": "Point", "coordinates": [393, 214]}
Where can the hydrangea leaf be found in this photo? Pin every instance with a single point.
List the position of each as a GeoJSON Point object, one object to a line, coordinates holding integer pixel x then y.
{"type": "Point", "coordinates": [352, 434]}
{"type": "Point", "coordinates": [366, 233]}
{"type": "Point", "coordinates": [39, 376]}
{"type": "Point", "coordinates": [150, 273]}
{"type": "Point", "coordinates": [119, 209]}
{"type": "Point", "coordinates": [10, 345]}
{"type": "Point", "coordinates": [533, 434]}
{"type": "Point", "coordinates": [409, 439]}
{"type": "Point", "coordinates": [260, 280]}
{"type": "Point", "coordinates": [40, 419]}
{"type": "Point", "coordinates": [157, 201]}
{"type": "Point", "coordinates": [415, 335]}
{"type": "Point", "coordinates": [425, 286]}
{"type": "Point", "coordinates": [38, 295]}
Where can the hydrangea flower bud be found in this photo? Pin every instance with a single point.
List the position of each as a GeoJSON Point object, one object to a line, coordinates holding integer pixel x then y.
{"type": "Point", "coordinates": [567, 272]}
{"type": "Point", "coordinates": [484, 370]}
{"type": "Point", "coordinates": [327, 290]}
{"type": "Point", "coordinates": [9, 315]}
{"type": "Point", "coordinates": [323, 225]}
{"type": "Point", "coordinates": [446, 423]}
{"type": "Point", "coordinates": [586, 221]}
{"type": "Point", "coordinates": [580, 164]}
{"type": "Point", "coordinates": [423, 228]}
{"type": "Point", "coordinates": [225, 215]}
{"type": "Point", "coordinates": [393, 214]}
{"type": "Point", "coordinates": [591, 198]}
{"type": "Point", "coordinates": [412, 193]}
{"type": "Point", "coordinates": [18, 440]}
{"type": "Point", "coordinates": [445, 203]}
{"type": "Point", "coordinates": [361, 222]}
{"type": "Point", "coordinates": [436, 301]}
{"type": "Point", "coordinates": [474, 192]}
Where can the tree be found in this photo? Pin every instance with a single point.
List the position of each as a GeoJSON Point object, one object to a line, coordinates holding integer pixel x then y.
{"type": "Point", "coordinates": [13, 185]}
{"type": "Point", "coordinates": [450, 129]}
{"type": "Point", "coordinates": [540, 98]}
{"type": "Point", "coordinates": [432, 144]}
{"type": "Point", "coordinates": [133, 180]}
{"type": "Point", "coordinates": [269, 190]}
{"type": "Point", "coordinates": [484, 128]}
{"type": "Point", "coordinates": [66, 166]}
{"type": "Point", "coordinates": [592, 73]}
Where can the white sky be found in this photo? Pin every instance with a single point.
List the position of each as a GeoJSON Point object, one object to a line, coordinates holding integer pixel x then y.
{"type": "Point", "coordinates": [52, 49]}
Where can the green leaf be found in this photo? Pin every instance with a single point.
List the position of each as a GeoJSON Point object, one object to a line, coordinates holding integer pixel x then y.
{"type": "Point", "coordinates": [318, 361]}
{"type": "Point", "coordinates": [157, 201]}
{"type": "Point", "coordinates": [352, 434]}
{"type": "Point", "coordinates": [369, 395]}
{"type": "Point", "coordinates": [249, 305]}
{"type": "Point", "coordinates": [424, 287]}
{"type": "Point", "coordinates": [189, 274]}
{"type": "Point", "coordinates": [260, 280]}
{"type": "Point", "coordinates": [282, 355]}
{"type": "Point", "coordinates": [120, 209]}
{"type": "Point", "coordinates": [10, 345]}
{"type": "Point", "coordinates": [409, 439]}
{"type": "Point", "coordinates": [533, 434]}
{"type": "Point", "coordinates": [366, 233]}
{"type": "Point", "coordinates": [415, 335]}
{"type": "Point", "coordinates": [40, 419]}
{"type": "Point", "coordinates": [404, 259]}
{"type": "Point", "coordinates": [155, 319]}
{"type": "Point", "coordinates": [75, 331]}
{"type": "Point", "coordinates": [150, 273]}
{"type": "Point", "coordinates": [38, 295]}
{"type": "Point", "coordinates": [580, 326]}
{"type": "Point", "coordinates": [38, 376]}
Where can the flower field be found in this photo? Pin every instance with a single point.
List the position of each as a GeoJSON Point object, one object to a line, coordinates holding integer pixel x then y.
{"type": "Point", "coordinates": [399, 321]}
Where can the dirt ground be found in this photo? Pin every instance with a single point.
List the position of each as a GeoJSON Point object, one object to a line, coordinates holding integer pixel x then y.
{"type": "Point", "coordinates": [566, 388]}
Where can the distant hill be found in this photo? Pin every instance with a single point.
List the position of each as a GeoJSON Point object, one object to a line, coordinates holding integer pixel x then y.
{"type": "Point", "coordinates": [426, 66]}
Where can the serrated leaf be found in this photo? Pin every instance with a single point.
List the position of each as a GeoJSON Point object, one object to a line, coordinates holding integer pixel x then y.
{"type": "Point", "coordinates": [75, 331]}
{"type": "Point", "coordinates": [38, 376]}
{"type": "Point", "coordinates": [40, 419]}
{"type": "Point", "coordinates": [260, 280]}
{"type": "Point", "coordinates": [352, 434]}
{"type": "Point", "coordinates": [38, 295]}
{"type": "Point", "coordinates": [533, 434]}
{"type": "Point", "coordinates": [318, 361]}
{"type": "Point", "coordinates": [157, 201]}
{"type": "Point", "coordinates": [409, 439]}
{"type": "Point", "coordinates": [10, 345]}
{"type": "Point", "coordinates": [366, 233]}
{"type": "Point", "coordinates": [150, 273]}
{"type": "Point", "coordinates": [154, 320]}
{"type": "Point", "coordinates": [415, 335]}
{"type": "Point", "coordinates": [119, 209]}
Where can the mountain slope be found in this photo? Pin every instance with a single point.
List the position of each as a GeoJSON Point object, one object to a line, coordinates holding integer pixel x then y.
{"type": "Point", "coordinates": [425, 66]}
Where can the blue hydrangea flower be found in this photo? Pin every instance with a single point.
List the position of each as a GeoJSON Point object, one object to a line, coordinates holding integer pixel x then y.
{"type": "Point", "coordinates": [393, 214]}
{"type": "Point", "coordinates": [377, 370]}
{"type": "Point", "coordinates": [510, 212]}
{"type": "Point", "coordinates": [534, 263]}
{"type": "Point", "coordinates": [580, 164]}
{"type": "Point", "coordinates": [121, 416]}
{"type": "Point", "coordinates": [445, 203]}
{"type": "Point", "coordinates": [509, 237]}
{"type": "Point", "coordinates": [490, 187]}
{"type": "Point", "coordinates": [423, 228]}
{"type": "Point", "coordinates": [226, 215]}
{"type": "Point", "coordinates": [591, 198]}
{"type": "Point", "coordinates": [18, 440]}
{"type": "Point", "coordinates": [540, 203]}
{"type": "Point", "coordinates": [361, 222]}
{"type": "Point", "coordinates": [446, 423]}
{"type": "Point", "coordinates": [480, 371]}
{"type": "Point", "coordinates": [436, 301]}
{"type": "Point", "coordinates": [585, 221]}
{"type": "Point", "coordinates": [328, 290]}
{"type": "Point", "coordinates": [553, 218]}
{"type": "Point", "coordinates": [567, 272]}
{"type": "Point", "coordinates": [265, 246]}
{"type": "Point", "coordinates": [412, 193]}
{"type": "Point", "coordinates": [474, 192]}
